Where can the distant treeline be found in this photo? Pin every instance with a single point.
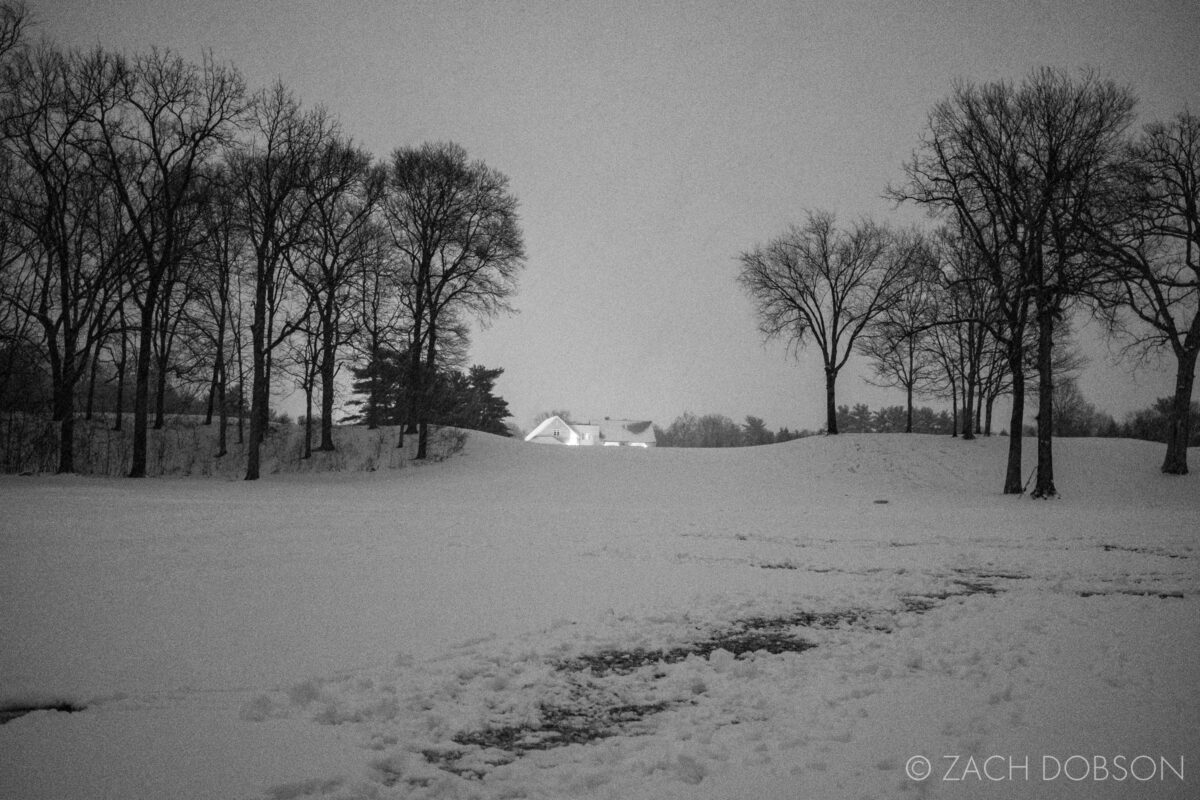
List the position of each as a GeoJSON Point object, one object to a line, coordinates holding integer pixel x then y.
{"type": "Point", "coordinates": [892, 419]}
{"type": "Point", "coordinates": [718, 430]}
{"type": "Point", "coordinates": [1073, 417]}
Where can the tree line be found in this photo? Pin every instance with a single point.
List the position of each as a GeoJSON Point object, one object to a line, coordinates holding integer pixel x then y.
{"type": "Point", "coordinates": [718, 430]}
{"type": "Point", "coordinates": [1045, 202]}
{"type": "Point", "coordinates": [1074, 416]}
{"type": "Point", "coordinates": [162, 224]}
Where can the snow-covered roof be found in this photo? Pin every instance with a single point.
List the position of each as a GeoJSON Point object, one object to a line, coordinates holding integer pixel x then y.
{"type": "Point", "coordinates": [547, 426]}
{"type": "Point", "coordinates": [626, 430]}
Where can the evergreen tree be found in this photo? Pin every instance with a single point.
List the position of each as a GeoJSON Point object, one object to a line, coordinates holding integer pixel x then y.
{"type": "Point", "coordinates": [457, 399]}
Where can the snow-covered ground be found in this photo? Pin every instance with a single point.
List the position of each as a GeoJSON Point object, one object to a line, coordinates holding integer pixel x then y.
{"type": "Point", "coordinates": [433, 631]}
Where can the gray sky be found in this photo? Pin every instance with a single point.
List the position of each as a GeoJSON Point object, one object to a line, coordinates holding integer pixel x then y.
{"type": "Point", "coordinates": [649, 143]}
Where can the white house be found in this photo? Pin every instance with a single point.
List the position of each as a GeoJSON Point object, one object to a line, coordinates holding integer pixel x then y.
{"type": "Point", "coordinates": [608, 432]}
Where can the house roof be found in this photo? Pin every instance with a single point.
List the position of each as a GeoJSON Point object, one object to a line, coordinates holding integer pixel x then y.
{"type": "Point", "coordinates": [609, 430]}
{"type": "Point", "coordinates": [626, 430]}
{"type": "Point", "coordinates": [547, 425]}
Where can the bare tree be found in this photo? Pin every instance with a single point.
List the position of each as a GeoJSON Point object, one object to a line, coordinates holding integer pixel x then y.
{"type": "Point", "coordinates": [896, 341]}
{"type": "Point", "coordinates": [272, 178]}
{"type": "Point", "coordinates": [14, 24]}
{"type": "Point", "coordinates": [454, 224]}
{"type": "Point", "coordinates": [1019, 169]}
{"type": "Point", "coordinates": [153, 136]}
{"type": "Point", "coordinates": [340, 241]}
{"type": "Point", "coordinates": [217, 301]}
{"type": "Point", "coordinates": [66, 272]}
{"type": "Point", "coordinates": [382, 320]}
{"type": "Point", "coordinates": [821, 283]}
{"type": "Point", "coordinates": [1154, 236]}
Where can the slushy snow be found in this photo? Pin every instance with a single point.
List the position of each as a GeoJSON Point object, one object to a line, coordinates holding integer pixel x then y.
{"type": "Point", "coordinates": [379, 635]}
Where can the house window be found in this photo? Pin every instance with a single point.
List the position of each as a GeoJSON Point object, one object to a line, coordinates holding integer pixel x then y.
{"type": "Point", "coordinates": [556, 433]}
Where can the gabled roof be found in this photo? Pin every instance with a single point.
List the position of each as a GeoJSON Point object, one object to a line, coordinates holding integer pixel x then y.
{"type": "Point", "coordinates": [608, 430]}
{"type": "Point", "coordinates": [549, 424]}
{"type": "Point", "coordinates": [626, 430]}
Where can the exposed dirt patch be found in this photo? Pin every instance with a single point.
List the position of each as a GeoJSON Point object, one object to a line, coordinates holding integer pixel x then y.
{"type": "Point", "coordinates": [1143, 551]}
{"type": "Point", "coordinates": [750, 635]}
{"type": "Point", "coordinates": [599, 707]}
{"type": "Point", "coordinates": [996, 575]}
{"type": "Point", "coordinates": [11, 712]}
{"type": "Point", "coordinates": [977, 583]}
{"type": "Point", "coordinates": [1134, 593]}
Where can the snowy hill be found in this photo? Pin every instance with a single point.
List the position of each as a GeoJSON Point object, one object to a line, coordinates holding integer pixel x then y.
{"type": "Point", "coordinates": [518, 620]}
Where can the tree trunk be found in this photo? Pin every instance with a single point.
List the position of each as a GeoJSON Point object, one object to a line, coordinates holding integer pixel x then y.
{"type": "Point", "coordinates": [222, 410]}
{"type": "Point", "coordinates": [160, 395]}
{"type": "Point", "coordinates": [163, 337]}
{"type": "Point", "coordinates": [428, 379]}
{"type": "Point", "coordinates": [908, 414]}
{"type": "Point", "coordinates": [831, 426]}
{"type": "Point", "coordinates": [968, 428]}
{"type": "Point", "coordinates": [212, 392]}
{"type": "Point", "coordinates": [308, 405]}
{"type": "Point", "coordinates": [328, 370]}
{"type": "Point", "coordinates": [64, 412]}
{"type": "Point", "coordinates": [1179, 421]}
{"type": "Point", "coordinates": [1044, 485]}
{"type": "Point", "coordinates": [258, 385]}
{"type": "Point", "coordinates": [265, 408]}
{"type": "Point", "coordinates": [417, 382]}
{"type": "Point", "coordinates": [141, 390]}
{"type": "Point", "coordinates": [1012, 476]}
{"type": "Point", "coordinates": [91, 393]}
{"type": "Point", "coordinates": [241, 420]}
{"type": "Point", "coordinates": [372, 407]}
{"type": "Point", "coordinates": [987, 418]}
{"type": "Point", "coordinates": [953, 409]}
{"type": "Point", "coordinates": [122, 366]}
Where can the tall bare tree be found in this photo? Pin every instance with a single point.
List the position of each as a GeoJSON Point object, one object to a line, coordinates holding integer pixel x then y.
{"type": "Point", "coordinates": [381, 318]}
{"type": "Point", "coordinates": [219, 257]}
{"type": "Point", "coordinates": [341, 240]}
{"type": "Point", "coordinates": [1019, 170]}
{"type": "Point", "coordinates": [1154, 236]}
{"type": "Point", "coordinates": [67, 269]}
{"type": "Point", "coordinates": [454, 223]}
{"type": "Point", "coordinates": [825, 284]}
{"type": "Point", "coordinates": [153, 136]}
{"type": "Point", "coordinates": [896, 341]}
{"type": "Point", "coordinates": [272, 177]}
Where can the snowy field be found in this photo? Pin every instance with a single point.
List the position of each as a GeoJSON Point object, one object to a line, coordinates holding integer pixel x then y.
{"type": "Point", "coordinates": [806, 620]}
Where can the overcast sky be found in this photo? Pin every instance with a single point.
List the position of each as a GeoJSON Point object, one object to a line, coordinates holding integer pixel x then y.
{"type": "Point", "coordinates": [649, 143]}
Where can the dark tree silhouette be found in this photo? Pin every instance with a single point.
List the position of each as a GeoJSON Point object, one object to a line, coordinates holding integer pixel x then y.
{"type": "Point", "coordinates": [819, 283]}
{"type": "Point", "coordinates": [454, 224]}
{"type": "Point", "coordinates": [1154, 236]}
{"type": "Point", "coordinates": [1019, 170]}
